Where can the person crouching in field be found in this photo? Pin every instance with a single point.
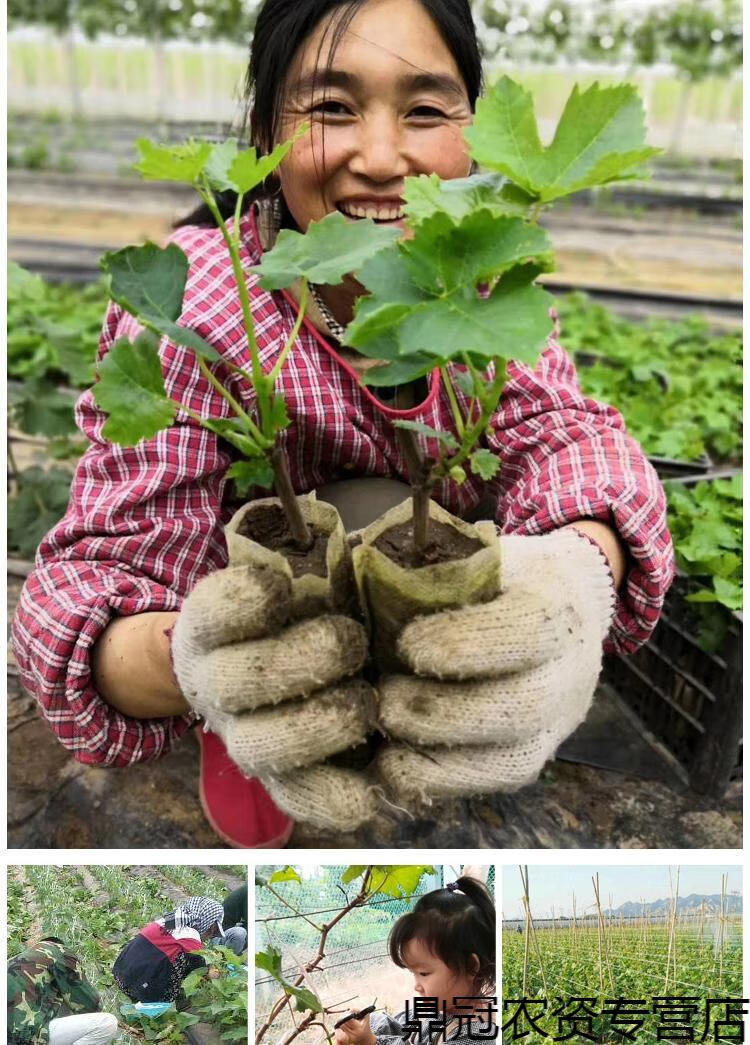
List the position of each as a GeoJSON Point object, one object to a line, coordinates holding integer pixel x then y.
{"type": "Point", "coordinates": [50, 1000]}
{"type": "Point", "coordinates": [448, 945]}
{"type": "Point", "coordinates": [152, 966]}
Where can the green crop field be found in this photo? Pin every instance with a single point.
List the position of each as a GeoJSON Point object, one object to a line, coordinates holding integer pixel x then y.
{"type": "Point", "coordinates": [632, 960]}
{"type": "Point", "coordinates": [95, 910]}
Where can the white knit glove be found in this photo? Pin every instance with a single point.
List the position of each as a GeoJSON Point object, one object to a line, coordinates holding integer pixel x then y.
{"type": "Point", "coordinates": [516, 675]}
{"type": "Point", "coordinates": [280, 696]}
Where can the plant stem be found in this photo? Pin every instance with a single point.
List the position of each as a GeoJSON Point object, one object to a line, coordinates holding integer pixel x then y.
{"type": "Point", "coordinates": [358, 900]}
{"type": "Point", "coordinates": [259, 380]}
{"type": "Point", "coordinates": [488, 402]}
{"type": "Point", "coordinates": [422, 483]}
{"type": "Point", "coordinates": [282, 482]}
{"type": "Point", "coordinates": [293, 336]}
{"type": "Point", "coordinates": [229, 398]}
{"type": "Point", "coordinates": [457, 418]}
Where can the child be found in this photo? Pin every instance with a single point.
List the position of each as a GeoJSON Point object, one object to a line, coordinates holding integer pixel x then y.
{"type": "Point", "coordinates": [448, 945]}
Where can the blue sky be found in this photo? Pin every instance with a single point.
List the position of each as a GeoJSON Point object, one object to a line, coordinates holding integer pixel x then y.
{"type": "Point", "coordinates": [556, 885]}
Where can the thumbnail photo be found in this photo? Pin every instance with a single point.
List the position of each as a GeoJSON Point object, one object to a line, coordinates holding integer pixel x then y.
{"type": "Point", "coordinates": [355, 955]}
{"type": "Point", "coordinates": [616, 954]}
{"type": "Point", "coordinates": [127, 954]}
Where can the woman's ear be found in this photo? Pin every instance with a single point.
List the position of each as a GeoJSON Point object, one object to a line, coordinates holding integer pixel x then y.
{"type": "Point", "coordinates": [475, 964]}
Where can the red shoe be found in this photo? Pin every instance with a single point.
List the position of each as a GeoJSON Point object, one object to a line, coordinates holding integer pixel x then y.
{"type": "Point", "coordinates": [238, 808]}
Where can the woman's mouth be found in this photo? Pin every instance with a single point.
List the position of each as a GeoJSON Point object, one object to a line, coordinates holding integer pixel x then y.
{"type": "Point", "coordinates": [382, 212]}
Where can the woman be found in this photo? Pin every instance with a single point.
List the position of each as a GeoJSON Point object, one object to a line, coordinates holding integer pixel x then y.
{"type": "Point", "coordinates": [152, 966]}
{"type": "Point", "coordinates": [387, 86]}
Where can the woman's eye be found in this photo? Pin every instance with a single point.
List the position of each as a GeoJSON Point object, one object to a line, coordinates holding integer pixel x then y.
{"type": "Point", "coordinates": [330, 108]}
{"type": "Point", "coordinates": [426, 111]}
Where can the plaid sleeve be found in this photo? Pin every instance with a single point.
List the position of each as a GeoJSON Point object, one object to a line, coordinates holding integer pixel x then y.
{"type": "Point", "coordinates": [566, 457]}
{"type": "Point", "coordinates": [142, 526]}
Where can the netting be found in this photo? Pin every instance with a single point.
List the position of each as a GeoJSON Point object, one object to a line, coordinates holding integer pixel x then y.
{"type": "Point", "coordinates": [356, 965]}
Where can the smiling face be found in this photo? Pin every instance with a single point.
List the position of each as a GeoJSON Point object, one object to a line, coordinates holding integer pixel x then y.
{"type": "Point", "coordinates": [432, 977]}
{"type": "Point", "coordinates": [392, 105]}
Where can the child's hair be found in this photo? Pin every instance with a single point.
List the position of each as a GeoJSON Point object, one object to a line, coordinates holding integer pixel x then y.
{"type": "Point", "coordinates": [454, 923]}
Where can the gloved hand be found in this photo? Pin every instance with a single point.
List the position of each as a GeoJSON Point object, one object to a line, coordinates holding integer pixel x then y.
{"type": "Point", "coordinates": [281, 697]}
{"type": "Point", "coordinates": [498, 686]}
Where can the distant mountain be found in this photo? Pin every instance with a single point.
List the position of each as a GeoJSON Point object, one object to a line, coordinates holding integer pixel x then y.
{"type": "Point", "coordinates": [631, 909]}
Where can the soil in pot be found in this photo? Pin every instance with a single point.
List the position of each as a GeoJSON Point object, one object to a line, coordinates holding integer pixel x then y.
{"type": "Point", "coordinates": [446, 545]}
{"type": "Point", "coordinates": [268, 526]}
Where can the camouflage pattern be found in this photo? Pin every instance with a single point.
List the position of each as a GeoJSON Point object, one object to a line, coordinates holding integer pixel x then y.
{"type": "Point", "coordinates": [44, 982]}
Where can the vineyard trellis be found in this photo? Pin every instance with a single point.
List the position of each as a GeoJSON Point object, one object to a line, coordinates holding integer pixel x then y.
{"type": "Point", "coordinates": [60, 901]}
{"type": "Point", "coordinates": [693, 953]}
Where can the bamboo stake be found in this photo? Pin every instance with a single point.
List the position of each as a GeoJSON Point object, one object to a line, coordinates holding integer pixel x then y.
{"type": "Point", "coordinates": [530, 927]}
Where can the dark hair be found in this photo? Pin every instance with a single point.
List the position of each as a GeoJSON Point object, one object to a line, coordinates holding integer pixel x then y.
{"type": "Point", "coordinates": [454, 924]}
{"type": "Point", "coordinates": [282, 27]}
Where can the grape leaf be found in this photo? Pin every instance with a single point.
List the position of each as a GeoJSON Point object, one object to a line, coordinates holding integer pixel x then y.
{"type": "Point", "coordinates": [270, 961]}
{"type": "Point", "coordinates": [329, 250]}
{"type": "Point", "coordinates": [443, 256]}
{"type": "Point", "coordinates": [427, 194]}
{"type": "Point", "coordinates": [446, 438]}
{"type": "Point", "coordinates": [600, 138]}
{"type": "Point", "coordinates": [216, 169]}
{"type": "Point", "coordinates": [286, 874]}
{"type": "Point", "coordinates": [399, 880]}
{"type": "Point", "coordinates": [512, 323]}
{"type": "Point", "coordinates": [39, 502]}
{"type": "Point", "coordinates": [249, 170]}
{"type": "Point", "coordinates": [485, 464]}
{"type": "Point", "coordinates": [399, 372]}
{"type": "Point", "coordinates": [183, 163]}
{"type": "Point", "coordinates": [254, 472]}
{"type": "Point", "coordinates": [149, 282]}
{"type": "Point", "coordinates": [352, 872]}
{"type": "Point", "coordinates": [131, 390]}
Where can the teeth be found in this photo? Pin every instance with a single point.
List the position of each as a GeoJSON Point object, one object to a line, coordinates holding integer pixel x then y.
{"type": "Point", "coordinates": [384, 213]}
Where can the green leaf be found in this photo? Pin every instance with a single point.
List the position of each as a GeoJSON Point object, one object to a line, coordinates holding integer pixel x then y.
{"type": "Point", "coordinates": [427, 195]}
{"type": "Point", "coordinates": [485, 464]}
{"type": "Point", "coordinates": [24, 285]}
{"type": "Point", "coordinates": [401, 372]}
{"type": "Point", "coordinates": [279, 415]}
{"type": "Point", "coordinates": [183, 163]}
{"type": "Point", "coordinates": [248, 170]}
{"type": "Point", "coordinates": [286, 874]}
{"type": "Point", "coordinates": [329, 250]}
{"type": "Point", "coordinates": [600, 138]}
{"type": "Point", "coordinates": [443, 256]}
{"type": "Point", "coordinates": [149, 282]}
{"type": "Point", "coordinates": [352, 872]}
{"type": "Point", "coordinates": [416, 426]}
{"type": "Point", "coordinates": [512, 324]}
{"type": "Point", "coordinates": [216, 169]}
{"type": "Point", "coordinates": [398, 880]}
{"type": "Point", "coordinates": [39, 502]}
{"type": "Point", "coordinates": [464, 381]}
{"type": "Point", "coordinates": [131, 390]}
{"type": "Point", "coordinates": [269, 961]}
{"type": "Point", "coordinates": [255, 472]}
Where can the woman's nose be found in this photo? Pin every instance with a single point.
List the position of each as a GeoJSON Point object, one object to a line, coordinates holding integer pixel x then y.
{"type": "Point", "coordinates": [379, 153]}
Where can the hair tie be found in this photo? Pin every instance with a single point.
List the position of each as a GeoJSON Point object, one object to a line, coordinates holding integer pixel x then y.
{"type": "Point", "coordinates": [452, 887]}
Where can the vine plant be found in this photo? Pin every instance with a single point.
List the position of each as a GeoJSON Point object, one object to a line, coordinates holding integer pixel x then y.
{"type": "Point", "coordinates": [395, 881]}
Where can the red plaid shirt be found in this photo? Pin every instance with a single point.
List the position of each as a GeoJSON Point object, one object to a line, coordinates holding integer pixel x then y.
{"type": "Point", "coordinates": [145, 524]}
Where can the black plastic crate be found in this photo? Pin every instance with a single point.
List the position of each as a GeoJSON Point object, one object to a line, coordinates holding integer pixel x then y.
{"type": "Point", "coordinates": [691, 699]}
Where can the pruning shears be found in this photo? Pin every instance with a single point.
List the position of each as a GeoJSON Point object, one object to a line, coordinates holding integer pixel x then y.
{"type": "Point", "coordinates": [355, 1016]}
